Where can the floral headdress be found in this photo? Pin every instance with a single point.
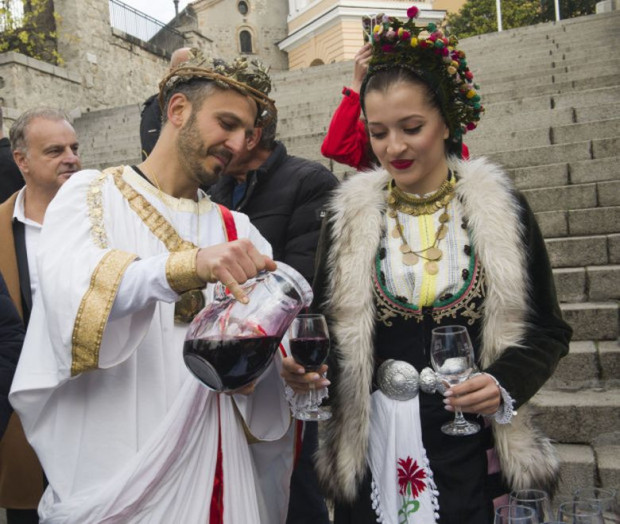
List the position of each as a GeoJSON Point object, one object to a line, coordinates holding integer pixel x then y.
{"type": "Point", "coordinates": [248, 78]}
{"type": "Point", "coordinates": [432, 56]}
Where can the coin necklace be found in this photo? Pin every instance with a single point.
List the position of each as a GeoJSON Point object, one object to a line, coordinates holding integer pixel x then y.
{"type": "Point", "coordinates": [432, 254]}
{"type": "Point", "coordinates": [193, 301]}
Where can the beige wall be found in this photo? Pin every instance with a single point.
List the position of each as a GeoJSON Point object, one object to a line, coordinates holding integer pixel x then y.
{"type": "Point", "coordinates": [452, 6]}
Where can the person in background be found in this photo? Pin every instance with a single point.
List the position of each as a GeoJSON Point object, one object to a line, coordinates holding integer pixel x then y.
{"type": "Point", "coordinates": [11, 179]}
{"type": "Point", "coordinates": [45, 148]}
{"type": "Point", "coordinates": [428, 240]}
{"type": "Point", "coordinates": [284, 197]}
{"type": "Point", "coordinates": [150, 117]}
{"type": "Point", "coordinates": [12, 331]}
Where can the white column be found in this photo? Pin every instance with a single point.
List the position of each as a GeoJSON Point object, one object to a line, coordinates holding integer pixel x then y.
{"type": "Point", "coordinates": [498, 4]}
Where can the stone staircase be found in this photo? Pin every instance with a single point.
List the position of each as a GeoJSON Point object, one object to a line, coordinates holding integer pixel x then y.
{"type": "Point", "coordinates": [109, 137]}
{"type": "Point", "coordinates": [553, 120]}
{"type": "Point", "coordinates": [552, 98]}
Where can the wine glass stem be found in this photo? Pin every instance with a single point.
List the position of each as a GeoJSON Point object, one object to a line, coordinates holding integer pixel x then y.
{"type": "Point", "coordinates": [459, 419]}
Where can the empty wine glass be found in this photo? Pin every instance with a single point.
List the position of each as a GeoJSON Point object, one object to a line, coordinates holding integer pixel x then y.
{"type": "Point", "coordinates": [580, 512]}
{"type": "Point", "coordinates": [515, 514]}
{"type": "Point", "coordinates": [536, 499]}
{"type": "Point", "coordinates": [309, 343]}
{"type": "Point", "coordinates": [452, 357]}
{"type": "Point", "coordinates": [604, 497]}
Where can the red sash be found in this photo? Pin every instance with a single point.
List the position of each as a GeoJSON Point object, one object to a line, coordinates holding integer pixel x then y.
{"type": "Point", "coordinates": [216, 512]}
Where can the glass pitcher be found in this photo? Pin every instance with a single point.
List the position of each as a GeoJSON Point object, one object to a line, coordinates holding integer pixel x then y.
{"type": "Point", "coordinates": [230, 344]}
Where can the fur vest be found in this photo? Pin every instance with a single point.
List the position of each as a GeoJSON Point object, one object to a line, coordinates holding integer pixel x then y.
{"type": "Point", "coordinates": [526, 456]}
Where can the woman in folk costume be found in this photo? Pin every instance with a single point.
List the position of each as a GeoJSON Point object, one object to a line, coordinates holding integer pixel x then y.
{"type": "Point", "coordinates": [430, 240]}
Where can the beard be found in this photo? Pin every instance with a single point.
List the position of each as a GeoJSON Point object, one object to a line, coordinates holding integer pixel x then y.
{"type": "Point", "coordinates": [193, 153]}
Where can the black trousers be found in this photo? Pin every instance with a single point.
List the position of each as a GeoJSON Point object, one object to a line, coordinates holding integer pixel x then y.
{"type": "Point", "coordinates": [307, 505]}
{"type": "Point", "coordinates": [22, 516]}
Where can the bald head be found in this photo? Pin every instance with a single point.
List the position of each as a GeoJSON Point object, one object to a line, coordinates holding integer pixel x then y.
{"type": "Point", "coordinates": [179, 56]}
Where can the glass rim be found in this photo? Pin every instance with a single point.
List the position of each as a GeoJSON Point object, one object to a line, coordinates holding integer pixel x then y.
{"type": "Point", "coordinates": [521, 494]}
{"type": "Point", "coordinates": [521, 507]}
{"type": "Point", "coordinates": [310, 315]}
{"type": "Point", "coordinates": [565, 507]}
{"type": "Point", "coordinates": [451, 329]}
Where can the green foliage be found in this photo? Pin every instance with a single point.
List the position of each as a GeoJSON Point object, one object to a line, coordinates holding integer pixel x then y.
{"type": "Point", "coordinates": [477, 17]}
{"type": "Point", "coordinates": [568, 8]}
{"type": "Point", "coordinates": [35, 34]}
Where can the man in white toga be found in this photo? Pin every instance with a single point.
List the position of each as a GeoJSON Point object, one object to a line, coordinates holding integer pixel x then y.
{"type": "Point", "coordinates": [124, 433]}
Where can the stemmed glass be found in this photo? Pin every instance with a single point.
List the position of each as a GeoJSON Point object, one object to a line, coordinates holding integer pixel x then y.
{"type": "Point", "coordinates": [580, 512]}
{"type": "Point", "coordinates": [309, 343]}
{"type": "Point", "coordinates": [452, 357]}
{"type": "Point", "coordinates": [604, 497]}
{"type": "Point", "coordinates": [535, 499]}
{"type": "Point", "coordinates": [515, 514]}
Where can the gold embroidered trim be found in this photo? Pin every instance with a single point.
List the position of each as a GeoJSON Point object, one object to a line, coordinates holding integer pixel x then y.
{"type": "Point", "coordinates": [94, 310]}
{"type": "Point", "coordinates": [181, 271]}
{"type": "Point", "coordinates": [152, 218]}
{"type": "Point", "coordinates": [464, 305]}
{"type": "Point", "coordinates": [94, 200]}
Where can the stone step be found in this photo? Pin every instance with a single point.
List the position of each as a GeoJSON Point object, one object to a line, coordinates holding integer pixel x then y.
{"type": "Point", "coordinates": [592, 320]}
{"type": "Point", "coordinates": [577, 417]}
{"type": "Point", "coordinates": [591, 283]}
{"type": "Point", "coordinates": [562, 197]}
{"type": "Point", "coordinates": [589, 364]}
{"type": "Point", "coordinates": [594, 221]}
{"type": "Point", "coordinates": [540, 176]}
{"type": "Point", "coordinates": [598, 169]}
{"type": "Point", "coordinates": [494, 94]}
{"type": "Point", "coordinates": [578, 469]}
{"type": "Point", "coordinates": [578, 251]}
{"type": "Point", "coordinates": [487, 142]}
{"type": "Point", "coordinates": [585, 98]}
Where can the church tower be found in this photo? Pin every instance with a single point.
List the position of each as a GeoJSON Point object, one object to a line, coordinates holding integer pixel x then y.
{"type": "Point", "coordinates": [249, 27]}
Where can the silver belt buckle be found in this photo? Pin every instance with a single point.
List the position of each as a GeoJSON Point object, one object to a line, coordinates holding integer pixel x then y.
{"type": "Point", "coordinates": [398, 380]}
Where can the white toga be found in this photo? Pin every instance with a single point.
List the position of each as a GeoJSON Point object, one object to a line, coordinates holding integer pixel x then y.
{"type": "Point", "coordinates": [123, 431]}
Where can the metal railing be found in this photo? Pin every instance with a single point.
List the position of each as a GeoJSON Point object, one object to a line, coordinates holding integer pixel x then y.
{"type": "Point", "coordinates": [140, 25]}
{"type": "Point", "coordinates": [11, 14]}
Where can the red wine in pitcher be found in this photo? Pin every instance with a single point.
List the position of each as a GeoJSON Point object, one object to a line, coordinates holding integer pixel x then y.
{"type": "Point", "coordinates": [228, 364]}
{"type": "Point", "coordinates": [310, 352]}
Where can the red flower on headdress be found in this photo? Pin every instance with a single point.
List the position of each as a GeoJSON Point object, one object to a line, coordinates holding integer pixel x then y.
{"type": "Point", "coordinates": [410, 473]}
{"type": "Point", "coordinates": [413, 11]}
{"type": "Point", "coordinates": [387, 48]}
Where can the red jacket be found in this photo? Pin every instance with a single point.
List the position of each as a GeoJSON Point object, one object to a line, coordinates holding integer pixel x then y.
{"type": "Point", "coordinates": [346, 140]}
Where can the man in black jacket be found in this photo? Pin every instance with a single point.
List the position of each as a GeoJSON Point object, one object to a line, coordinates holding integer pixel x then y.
{"type": "Point", "coordinates": [150, 117]}
{"type": "Point", "coordinates": [282, 194]}
{"type": "Point", "coordinates": [11, 179]}
{"type": "Point", "coordinates": [284, 197]}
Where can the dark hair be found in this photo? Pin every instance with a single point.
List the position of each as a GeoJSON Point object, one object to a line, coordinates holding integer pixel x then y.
{"type": "Point", "coordinates": [195, 90]}
{"type": "Point", "coordinates": [384, 77]}
{"type": "Point", "coordinates": [268, 138]}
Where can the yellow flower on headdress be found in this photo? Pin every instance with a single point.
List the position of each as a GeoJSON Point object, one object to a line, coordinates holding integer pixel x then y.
{"type": "Point", "coordinates": [471, 93]}
{"type": "Point", "coordinates": [378, 29]}
{"type": "Point", "coordinates": [414, 42]}
{"type": "Point", "coordinates": [452, 70]}
{"type": "Point", "coordinates": [400, 32]}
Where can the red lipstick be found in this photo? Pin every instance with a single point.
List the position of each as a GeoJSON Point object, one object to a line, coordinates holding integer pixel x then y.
{"type": "Point", "coordinates": [401, 164]}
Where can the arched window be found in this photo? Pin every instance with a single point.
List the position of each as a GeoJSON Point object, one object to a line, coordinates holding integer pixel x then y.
{"type": "Point", "coordinates": [316, 62]}
{"type": "Point", "coordinates": [243, 7]}
{"type": "Point", "coordinates": [245, 41]}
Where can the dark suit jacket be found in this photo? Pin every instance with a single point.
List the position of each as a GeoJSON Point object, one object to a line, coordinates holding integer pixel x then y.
{"type": "Point", "coordinates": [21, 476]}
{"type": "Point", "coordinates": [10, 176]}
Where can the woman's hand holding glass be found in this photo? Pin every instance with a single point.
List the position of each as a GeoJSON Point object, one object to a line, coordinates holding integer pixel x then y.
{"type": "Point", "coordinates": [304, 372]}
{"type": "Point", "coordinates": [478, 394]}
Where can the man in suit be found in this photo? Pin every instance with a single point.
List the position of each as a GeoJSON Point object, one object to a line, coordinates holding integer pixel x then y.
{"type": "Point", "coordinates": [45, 149]}
{"type": "Point", "coordinates": [10, 178]}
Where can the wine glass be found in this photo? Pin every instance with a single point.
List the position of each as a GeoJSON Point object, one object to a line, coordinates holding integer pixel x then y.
{"type": "Point", "coordinates": [515, 514]}
{"type": "Point", "coordinates": [536, 499]}
{"type": "Point", "coordinates": [580, 512]}
{"type": "Point", "coordinates": [604, 497]}
{"type": "Point", "coordinates": [452, 357]}
{"type": "Point", "coordinates": [309, 343]}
